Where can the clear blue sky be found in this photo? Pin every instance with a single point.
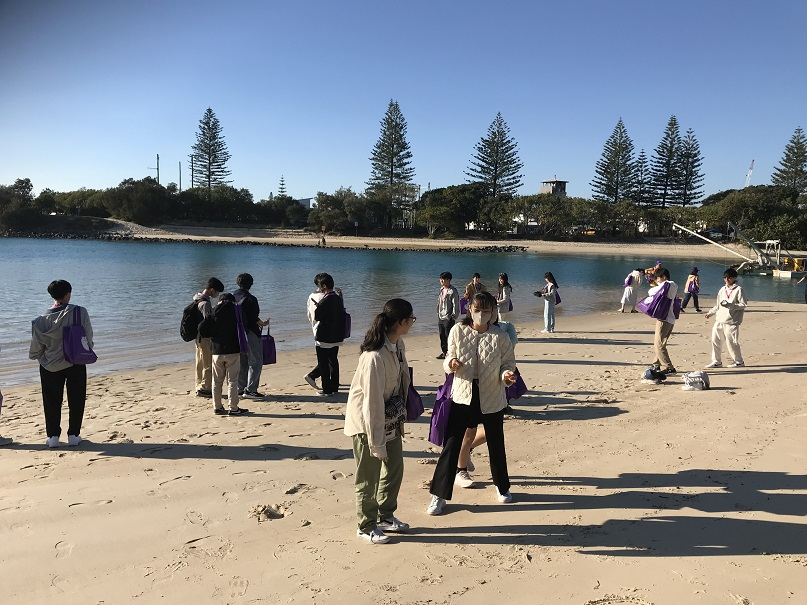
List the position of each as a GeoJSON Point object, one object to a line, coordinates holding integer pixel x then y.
{"type": "Point", "coordinates": [91, 91]}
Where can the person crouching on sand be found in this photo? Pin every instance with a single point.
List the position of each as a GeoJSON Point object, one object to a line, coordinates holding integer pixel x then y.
{"type": "Point", "coordinates": [481, 358]}
{"type": "Point", "coordinates": [373, 419]}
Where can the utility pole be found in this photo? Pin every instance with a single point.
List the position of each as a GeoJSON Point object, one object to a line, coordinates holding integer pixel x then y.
{"type": "Point", "coordinates": [157, 168]}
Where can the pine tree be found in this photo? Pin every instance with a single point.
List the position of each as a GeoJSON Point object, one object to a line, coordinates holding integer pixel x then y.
{"type": "Point", "coordinates": [615, 169]}
{"type": "Point", "coordinates": [690, 186]}
{"type": "Point", "coordinates": [281, 188]}
{"type": "Point", "coordinates": [496, 162]}
{"type": "Point", "coordinates": [792, 169]}
{"type": "Point", "coordinates": [209, 154]}
{"type": "Point", "coordinates": [642, 193]}
{"type": "Point", "coordinates": [391, 158]}
{"type": "Point", "coordinates": [665, 167]}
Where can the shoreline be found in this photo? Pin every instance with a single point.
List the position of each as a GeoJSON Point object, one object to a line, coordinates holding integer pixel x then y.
{"type": "Point", "coordinates": [651, 247]}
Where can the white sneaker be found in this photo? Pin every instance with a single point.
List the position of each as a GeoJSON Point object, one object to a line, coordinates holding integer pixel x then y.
{"type": "Point", "coordinates": [737, 364]}
{"type": "Point", "coordinates": [544, 331]}
{"type": "Point", "coordinates": [392, 524]}
{"type": "Point", "coordinates": [714, 364]}
{"type": "Point", "coordinates": [504, 498]}
{"type": "Point", "coordinates": [463, 479]}
{"type": "Point", "coordinates": [52, 441]}
{"type": "Point", "coordinates": [435, 506]}
{"type": "Point", "coordinates": [374, 537]}
{"type": "Point", "coordinates": [74, 440]}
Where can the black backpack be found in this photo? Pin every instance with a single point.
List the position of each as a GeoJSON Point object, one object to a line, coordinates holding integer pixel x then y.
{"type": "Point", "coordinates": [191, 318]}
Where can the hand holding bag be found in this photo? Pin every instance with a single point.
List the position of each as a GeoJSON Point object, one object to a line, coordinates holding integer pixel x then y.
{"type": "Point", "coordinates": [74, 342]}
{"type": "Point", "coordinates": [269, 350]}
{"type": "Point", "coordinates": [517, 389]}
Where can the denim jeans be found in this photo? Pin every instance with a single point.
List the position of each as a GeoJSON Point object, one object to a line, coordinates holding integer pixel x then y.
{"type": "Point", "coordinates": [549, 314]}
{"type": "Point", "coordinates": [249, 376]}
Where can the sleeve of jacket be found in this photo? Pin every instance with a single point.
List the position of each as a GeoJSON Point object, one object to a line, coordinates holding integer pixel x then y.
{"type": "Point", "coordinates": [455, 303]}
{"type": "Point", "coordinates": [453, 348]}
{"type": "Point", "coordinates": [508, 356]}
{"type": "Point", "coordinates": [740, 302]}
{"type": "Point", "coordinates": [505, 297]}
{"type": "Point", "coordinates": [85, 323]}
{"type": "Point", "coordinates": [37, 349]}
{"type": "Point", "coordinates": [206, 327]}
{"type": "Point", "coordinates": [372, 386]}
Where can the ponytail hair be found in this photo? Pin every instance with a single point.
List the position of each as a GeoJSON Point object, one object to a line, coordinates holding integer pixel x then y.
{"type": "Point", "coordinates": [395, 311]}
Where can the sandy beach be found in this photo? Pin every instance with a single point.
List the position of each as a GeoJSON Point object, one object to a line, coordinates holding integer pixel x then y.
{"type": "Point", "coordinates": [623, 492]}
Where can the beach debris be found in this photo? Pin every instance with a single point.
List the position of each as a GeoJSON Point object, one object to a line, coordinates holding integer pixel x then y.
{"type": "Point", "coordinates": [267, 512]}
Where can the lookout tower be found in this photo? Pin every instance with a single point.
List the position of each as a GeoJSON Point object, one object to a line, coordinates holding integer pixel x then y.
{"type": "Point", "coordinates": [554, 186]}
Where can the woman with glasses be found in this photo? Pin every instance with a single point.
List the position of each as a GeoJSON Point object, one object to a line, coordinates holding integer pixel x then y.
{"type": "Point", "coordinates": [376, 411]}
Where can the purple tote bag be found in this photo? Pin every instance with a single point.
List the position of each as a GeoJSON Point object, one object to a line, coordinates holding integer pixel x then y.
{"type": "Point", "coordinates": [414, 402]}
{"type": "Point", "coordinates": [441, 412]}
{"type": "Point", "coordinates": [463, 306]}
{"type": "Point", "coordinates": [517, 389]}
{"type": "Point", "coordinates": [269, 349]}
{"type": "Point", "coordinates": [658, 305]}
{"type": "Point", "coordinates": [74, 342]}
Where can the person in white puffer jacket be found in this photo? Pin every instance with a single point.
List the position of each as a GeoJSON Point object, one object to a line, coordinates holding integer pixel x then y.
{"type": "Point", "coordinates": [480, 355]}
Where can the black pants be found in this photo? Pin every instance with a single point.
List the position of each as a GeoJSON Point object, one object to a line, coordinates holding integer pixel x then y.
{"type": "Point", "coordinates": [328, 364]}
{"type": "Point", "coordinates": [444, 326]}
{"type": "Point", "coordinates": [461, 418]}
{"type": "Point", "coordinates": [53, 394]}
{"type": "Point", "coordinates": [687, 296]}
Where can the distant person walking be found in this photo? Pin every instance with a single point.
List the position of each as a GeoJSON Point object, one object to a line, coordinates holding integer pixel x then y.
{"type": "Point", "coordinates": [249, 375]}
{"type": "Point", "coordinates": [503, 293]}
{"type": "Point", "coordinates": [448, 309]}
{"type": "Point", "coordinates": [221, 327]}
{"type": "Point", "coordinates": [630, 295]}
{"type": "Point", "coordinates": [548, 293]}
{"type": "Point", "coordinates": [55, 372]}
{"type": "Point", "coordinates": [330, 334]}
{"type": "Point", "coordinates": [729, 310]}
{"type": "Point", "coordinates": [204, 355]}
{"type": "Point", "coordinates": [664, 327]}
{"type": "Point", "coordinates": [691, 289]}
{"type": "Point", "coordinates": [380, 384]}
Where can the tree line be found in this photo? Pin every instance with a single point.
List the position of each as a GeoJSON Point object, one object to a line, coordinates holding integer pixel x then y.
{"type": "Point", "coordinates": [631, 194]}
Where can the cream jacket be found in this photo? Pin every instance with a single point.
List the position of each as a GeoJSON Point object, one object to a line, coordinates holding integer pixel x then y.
{"type": "Point", "coordinates": [730, 306]}
{"type": "Point", "coordinates": [492, 353]}
{"type": "Point", "coordinates": [380, 375]}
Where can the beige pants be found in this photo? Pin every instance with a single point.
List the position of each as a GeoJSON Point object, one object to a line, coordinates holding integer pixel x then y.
{"type": "Point", "coordinates": [663, 331]}
{"type": "Point", "coordinates": [226, 366]}
{"type": "Point", "coordinates": [730, 334]}
{"type": "Point", "coordinates": [204, 363]}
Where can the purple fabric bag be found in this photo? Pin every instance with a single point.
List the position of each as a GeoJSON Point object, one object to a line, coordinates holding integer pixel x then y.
{"type": "Point", "coordinates": [517, 389]}
{"type": "Point", "coordinates": [658, 305]}
{"type": "Point", "coordinates": [628, 280]}
{"type": "Point", "coordinates": [269, 349]}
{"type": "Point", "coordinates": [243, 343]}
{"type": "Point", "coordinates": [441, 412]}
{"type": "Point", "coordinates": [348, 322]}
{"type": "Point", "coordinates": [557, 298]}
{"type": "Point", "coordinates": [74, 342]}
{"type": "Point", "coordinates": [677, 307]}
{"type": "Point", "coordinates": [414, 402]}
{"type": "Point", "coordinates": [509, 305]}
{"type": "Point", "coordinates": [463, 306]}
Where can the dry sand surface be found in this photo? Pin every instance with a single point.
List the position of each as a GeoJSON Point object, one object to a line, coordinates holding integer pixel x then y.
{"type": "Point", "coordinates": [622, 492]}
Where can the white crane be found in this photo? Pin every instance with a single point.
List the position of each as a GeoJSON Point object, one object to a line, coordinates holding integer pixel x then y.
{"type": "Point", "coordinates": [748, 176]}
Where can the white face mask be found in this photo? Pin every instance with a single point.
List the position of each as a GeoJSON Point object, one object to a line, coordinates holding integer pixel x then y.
{"type": "Point", "coordinates": [480, 318]}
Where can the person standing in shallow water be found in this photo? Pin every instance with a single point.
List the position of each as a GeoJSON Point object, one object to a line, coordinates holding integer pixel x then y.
{"type": "Point", "coordinates": [55, 372]}
{"type": "Point", "coordinates": [382, 373]}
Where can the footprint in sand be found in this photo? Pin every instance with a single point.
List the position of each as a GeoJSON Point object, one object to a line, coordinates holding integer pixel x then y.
{"type": "Point", "coordinates": [150, 472]}
{"type": "Point", "coordinates": [97, 503]}
{"type": "Point", "coordinates": [296, 488]}
{"type": "Point", "coordinates": [181, 478]}
{"type": "Point", "coordinates": [307, 456]}
{"type": "Point", "coordinates": [23, 529]}
{"type": "Point", "coordinates": [64, 549]}
{"type": "Point", "coordinates": [230, 497]}
{"type": "Point", "coordinates": [238, 587]}
{"type": "Point", "coordinates": [195, 517]}
{"type": "Point", "coordinates": [336, 475]}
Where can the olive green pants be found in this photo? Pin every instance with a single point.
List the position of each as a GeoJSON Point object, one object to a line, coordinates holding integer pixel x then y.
{"type": "Point", "coordinates": [377, 482]}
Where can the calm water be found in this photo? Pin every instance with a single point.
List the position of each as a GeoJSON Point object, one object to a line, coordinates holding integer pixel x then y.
{"type": "Point", "coordinates": [135, 291]}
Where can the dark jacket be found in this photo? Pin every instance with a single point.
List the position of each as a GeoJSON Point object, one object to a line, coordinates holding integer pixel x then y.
{"type": "Point", "coordinates": [330, 314]}
{"type": "Point", "coordinates": [250, 310]}
{"type": "Point", "coordinates": [222, 329]}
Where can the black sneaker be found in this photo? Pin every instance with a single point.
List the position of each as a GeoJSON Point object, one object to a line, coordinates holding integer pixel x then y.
{"type": "Point", "coordinates": [669, 371]}
{"type": "Point", "coordinates": [204, 393]}
{"type": "Point", "coordinates": [253, 395]}
{"type": "Point", "coordinates": [220, 412]}
{"type": "Point", "coordinates": [441, 356]}
{"type": "Point", "coordinates": [238, 412]}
